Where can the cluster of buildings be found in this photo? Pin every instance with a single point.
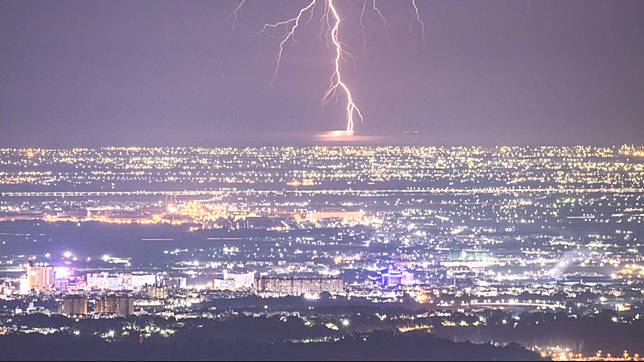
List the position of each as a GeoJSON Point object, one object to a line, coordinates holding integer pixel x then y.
{"type": "Point", "coordinates": [123, 294]}
{"type": "Point", "coordinates": [44, 278]}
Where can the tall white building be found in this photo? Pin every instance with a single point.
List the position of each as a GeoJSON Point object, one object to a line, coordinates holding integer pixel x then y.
{"type": "Point", "coordinates": [40, 278]}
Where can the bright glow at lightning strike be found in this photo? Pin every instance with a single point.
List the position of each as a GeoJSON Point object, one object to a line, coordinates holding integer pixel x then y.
{"type": "Point", "coordinates": [330, 27]}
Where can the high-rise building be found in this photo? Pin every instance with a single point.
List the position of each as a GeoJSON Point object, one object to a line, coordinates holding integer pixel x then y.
{"type": "Point", "coordinates": [40, 278]}
{"type": "Point", "coordinates": [121, 306]}
{"type": "Point", "coordinates": [157, 291]}
{"type": "Point", "coordinates": [298, 285]}
{"type": "Point", "coordinates": [98, 281]}
{"type": "Point", "coordinates": [5, 289]}
{"type": "Point", "coordinates": [235, 281]}
{"type": "Point", "coordinates": [74, 305]}
{"type": "Point", "coordinates": [137, 281]}
{"type": "Point", "coordinates": [119, 282]}
{"type": "Point", "coordinates": [392, 277]}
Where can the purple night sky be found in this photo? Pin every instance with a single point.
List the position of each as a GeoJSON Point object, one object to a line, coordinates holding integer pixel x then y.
{"type": "Point", "coordinates": [165, 73]}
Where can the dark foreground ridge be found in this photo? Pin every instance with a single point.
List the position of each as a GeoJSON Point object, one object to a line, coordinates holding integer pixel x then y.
{"type": "Point", "coordinates": [201, 346]}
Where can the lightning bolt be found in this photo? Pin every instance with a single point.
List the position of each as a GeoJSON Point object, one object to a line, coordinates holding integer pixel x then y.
{"type": "Point", "coordinates": [419, 19]}
{"type": "Point", "coordinates": [376, 9]}
{"type": "Point", "coordinates": [364, 33]}
{"type": "Point", "coordinates": [332, 19]}
{"type": "Point", "coordinates": [324, 20]}
{"type": "Point", "coordinates": [293, 24]}
{"type": "Point", "coordinates": [234, 15]}
{"type": "Point", "coordinates": [382, 18]}
{"type": "Point", "coordinates": [330, 22]}
{"type": "Point", "coordinates": [352, 109]}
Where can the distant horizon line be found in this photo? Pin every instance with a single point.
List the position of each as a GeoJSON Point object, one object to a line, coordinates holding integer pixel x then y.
{"type": "Point", "coordinates": [313, 144]}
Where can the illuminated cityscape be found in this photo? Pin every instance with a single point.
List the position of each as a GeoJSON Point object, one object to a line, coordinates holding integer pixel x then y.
{"type": "Point", "coordinates": [322, 180]}
{"type": "Point", "coordinates": [471, 242]}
